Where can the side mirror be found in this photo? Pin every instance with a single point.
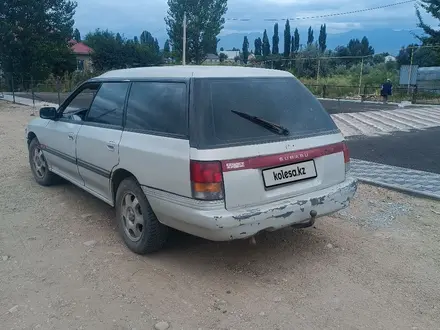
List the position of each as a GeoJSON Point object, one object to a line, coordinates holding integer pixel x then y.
{"type": "Point", "coordinates": [48, 113]}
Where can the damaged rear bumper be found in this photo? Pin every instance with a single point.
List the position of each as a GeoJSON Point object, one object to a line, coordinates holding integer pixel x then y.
{"type": "Point", "coordinates": [212, 221]}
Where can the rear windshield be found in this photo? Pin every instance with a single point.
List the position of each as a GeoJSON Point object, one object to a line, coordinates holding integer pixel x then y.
{"type": "Point", "coordinates": [283, 101]}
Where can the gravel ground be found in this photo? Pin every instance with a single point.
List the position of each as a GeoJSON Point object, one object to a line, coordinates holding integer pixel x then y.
{"type": "Point", "coordinates": [374, 265]}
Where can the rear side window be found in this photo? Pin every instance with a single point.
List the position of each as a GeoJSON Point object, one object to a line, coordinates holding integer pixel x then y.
{"type": "Point", "coordinates": [280, 100]}
{"type": "Point", "coordinates": [108, 105]}
{"type": "Point", "coordinates": [158, 107]}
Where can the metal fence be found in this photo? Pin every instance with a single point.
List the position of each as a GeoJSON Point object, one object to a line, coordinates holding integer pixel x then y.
{"type": "Point", "coordinates": [413, 94]}
{"type": "Point", "coordinates": [51, 90]}
{"type": "Point", "coordinates": [57, 90]}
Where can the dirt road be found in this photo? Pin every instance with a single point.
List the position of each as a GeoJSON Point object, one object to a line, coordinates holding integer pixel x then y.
{"type": "Point", "coordinates": [375, 265]}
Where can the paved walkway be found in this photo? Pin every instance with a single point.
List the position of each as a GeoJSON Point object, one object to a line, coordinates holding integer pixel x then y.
{"type": "Point", "coordinates": [28, 102]}
{"type": "Point", "coordinates": [399, 178]}
{"type": "Point", "coordinates": [385, 122]}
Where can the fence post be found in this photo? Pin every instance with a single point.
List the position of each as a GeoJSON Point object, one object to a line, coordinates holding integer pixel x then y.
{"type": "Point", "coordinates": [58, 90]}
{"type": "Point", "coordinates": [414, 95]}
{"type": "Point", "coordinates": [13, 88]}
{"type": "Point", "coordinates": [33, 96]}
{"type": "Point", "coordinates": [360, 76]}
{"type": "Point", "coordinates": [364, 95]}
{"type": "Point", "coordinates": [317, 72]}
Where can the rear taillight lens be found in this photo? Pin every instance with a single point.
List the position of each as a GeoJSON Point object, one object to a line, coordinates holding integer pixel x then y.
{"type": "Point", "coordinates": [206, 180]}
{"type": "Point", "coordinates": [346, 157]}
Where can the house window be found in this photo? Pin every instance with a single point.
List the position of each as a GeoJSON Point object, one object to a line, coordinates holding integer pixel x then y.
{"type": "Point", "coordinates": [80, 65]}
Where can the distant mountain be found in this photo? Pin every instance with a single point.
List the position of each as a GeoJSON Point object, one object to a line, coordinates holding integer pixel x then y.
{"type": "Point", "coordinates": [382, 40]}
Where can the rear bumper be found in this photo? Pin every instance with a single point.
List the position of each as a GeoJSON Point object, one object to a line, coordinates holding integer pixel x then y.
{"type": "Point", "coordinates": [212, 221]}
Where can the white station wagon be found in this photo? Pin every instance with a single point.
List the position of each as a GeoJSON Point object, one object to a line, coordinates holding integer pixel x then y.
{"type": "Point", "coordinates": [218, 152]}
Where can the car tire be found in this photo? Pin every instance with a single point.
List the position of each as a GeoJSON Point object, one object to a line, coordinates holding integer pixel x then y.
{"type": "Point", "coordinates": [137, 223]}
{"type": "Point", "coordinates": [39, 166]}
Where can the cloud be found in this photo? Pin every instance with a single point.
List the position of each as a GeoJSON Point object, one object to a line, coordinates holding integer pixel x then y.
{"type": "Point", "coordinates": [130, 17]}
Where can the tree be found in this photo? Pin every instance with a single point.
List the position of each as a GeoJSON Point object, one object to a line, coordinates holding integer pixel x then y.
{"type": "Point", "coordinates": [322, 40]}
{"type": "Point", "coordinates": [34, 36]}
{"type": "Point", "coordinates": [296, 36]}
{"type": "Point", "coordinates": [204, 22]}
{"type": "Point", "coordinates": [310, 37]}
{"type": "Point", "coordinates": [306, 66]}
{"type": "Point", "coordinates": [287, 39]}
{"type": "Point", "coordinates": [167, 49]}
{"type": "Point", "coordinates": [258, 46]}
{"type": "Point", "coordinates": [266, 45]}
{"type": "Point", "coordinates": [147, 38]}
{"type": "Point", "coordinates": [112, 51]}
{"type": "Point", "coordinates": [245, 49]}
{"type": "Point", "coordinates": [77, 35]}
{"type": "Point", "coordinates": [366, 49]}
{"type": "Point", "coordinates": [156, 46]}
{"type": "Point", "coordinates": [136, 40]}
{"type": "Point", "coordinates": [292, 46]}
{"type": "Point", "coordinates": [222, 57]}
{"type": "Point", "coordinates": [432, 36]}
{"type": "Point", "coordinates": [421, 56]}
{"type": "Point", "coordinates": [275, 40]}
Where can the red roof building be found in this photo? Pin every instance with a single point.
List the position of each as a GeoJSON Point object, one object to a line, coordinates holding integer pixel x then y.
{"type": "Point", "coordinates": [83, 55]}
{"type": "Point", "coordinates": [79, 48]}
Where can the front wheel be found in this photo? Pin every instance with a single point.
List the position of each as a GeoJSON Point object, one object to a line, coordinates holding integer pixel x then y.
{"type": "Point", "coordinates": [137, 223]}
{"type": "Point", "coordinates": [39, 166]}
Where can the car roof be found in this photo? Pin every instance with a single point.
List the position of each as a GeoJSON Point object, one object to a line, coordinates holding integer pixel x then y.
{"type": "Point", "coordinates": [189, 71]}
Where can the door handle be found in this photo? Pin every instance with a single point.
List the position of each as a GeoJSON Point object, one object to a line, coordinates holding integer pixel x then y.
{"type": "Point", "coordinates": [71, 136]}
{"type": "Point", "coordinates": [111, 146]}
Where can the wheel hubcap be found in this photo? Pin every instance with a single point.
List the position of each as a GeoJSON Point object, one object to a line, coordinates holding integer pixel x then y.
{"type": "Point", "coordinates": [39, 163]}
{"type": "Point", "coordinates": [132, 217]}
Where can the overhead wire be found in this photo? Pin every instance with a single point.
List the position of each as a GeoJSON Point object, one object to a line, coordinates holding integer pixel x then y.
{"type": "Point", "coordinates": [326, 15]}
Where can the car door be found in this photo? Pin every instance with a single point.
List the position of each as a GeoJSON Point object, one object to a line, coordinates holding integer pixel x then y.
{"type": "Point", "coordinates": [59, 137]}
{"type": "Point", "coordinates": [98, 139]}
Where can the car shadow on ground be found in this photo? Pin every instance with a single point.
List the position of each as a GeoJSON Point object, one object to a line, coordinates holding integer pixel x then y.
{"type": "Point", "coordinates": [271, 250]}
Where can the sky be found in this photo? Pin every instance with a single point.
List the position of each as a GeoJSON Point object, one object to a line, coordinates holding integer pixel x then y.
{"type": "Point", "coordinates": [131, 17]}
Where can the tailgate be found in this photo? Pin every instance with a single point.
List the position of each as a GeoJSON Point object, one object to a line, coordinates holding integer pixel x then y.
{"type": "Point", "coordinates": [272, 173]}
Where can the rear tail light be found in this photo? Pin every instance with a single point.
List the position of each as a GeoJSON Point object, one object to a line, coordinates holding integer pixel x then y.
{"type": "Point", "coordinates": [346, 157]}
{"type": "Point", "coordinates": [206, 180]}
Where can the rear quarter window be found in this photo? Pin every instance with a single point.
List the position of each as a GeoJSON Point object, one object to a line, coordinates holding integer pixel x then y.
{"type": "Point", "coordinates": [283, 101]}
{"type": "Point", "coordinates": [158, 107]}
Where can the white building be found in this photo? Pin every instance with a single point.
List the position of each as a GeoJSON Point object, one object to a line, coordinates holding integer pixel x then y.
{"type": "Point", "coordinates": [390, 58]}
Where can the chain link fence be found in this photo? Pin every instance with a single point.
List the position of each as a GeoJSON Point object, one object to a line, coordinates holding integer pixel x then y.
{"type": "Point", "coordinates": [413, 94]}
{"type": "Point", "coordinates": [53, 90]}
{"type": "Point", "coordinates": [56, 90]}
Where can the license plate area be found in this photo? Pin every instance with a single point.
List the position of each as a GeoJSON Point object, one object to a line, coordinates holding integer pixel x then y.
{"type": "Point", "coordinates": [287, 174]}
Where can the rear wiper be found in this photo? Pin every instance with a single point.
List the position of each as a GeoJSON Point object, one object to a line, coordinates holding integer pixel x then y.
{"type": "Point", "coordinates": [278, 129]}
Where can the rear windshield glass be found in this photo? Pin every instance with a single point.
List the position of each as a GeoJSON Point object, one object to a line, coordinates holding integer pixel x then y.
{"type": "Point", "coordinates": [282, 101]}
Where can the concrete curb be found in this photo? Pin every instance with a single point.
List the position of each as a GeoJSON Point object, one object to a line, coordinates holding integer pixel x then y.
{"type": "Point", "coordinates": [409, 191]}
{"type": "Point", "coordinates": [404, 105]}
{"type": "Point", "coordinates": [28, 102]}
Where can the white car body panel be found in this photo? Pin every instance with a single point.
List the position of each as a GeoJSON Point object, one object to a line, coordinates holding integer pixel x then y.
{"type": "Point", "coordinates": [89, 155]}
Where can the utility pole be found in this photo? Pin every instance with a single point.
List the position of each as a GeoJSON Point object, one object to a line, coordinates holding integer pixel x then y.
{"type": "Point", "coordinates": [410, 70]}
{"type": "Point", "coordinates": [184, 40]}
{"type": "Point", "coordinates": [360, 75]}
{"type": "Point", "coordinates": [319, 67]}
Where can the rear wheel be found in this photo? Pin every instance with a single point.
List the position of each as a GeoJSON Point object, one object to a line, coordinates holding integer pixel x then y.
{"type": "Point", "coordinates": [39, 166]}
{"type": "Point", "coordinates": [137, 223]}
